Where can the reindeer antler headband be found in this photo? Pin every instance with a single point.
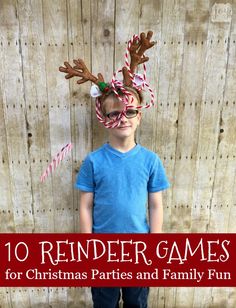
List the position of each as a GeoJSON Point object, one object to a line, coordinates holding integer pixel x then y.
{"type": "Point", "coordinates": [136, 48]}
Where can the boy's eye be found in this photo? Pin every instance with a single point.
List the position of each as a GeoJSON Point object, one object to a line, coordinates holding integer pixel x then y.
{"type": "Point", "coordinates": [131, 112]}
{"type": "Point", "coordinates": [113, 114]}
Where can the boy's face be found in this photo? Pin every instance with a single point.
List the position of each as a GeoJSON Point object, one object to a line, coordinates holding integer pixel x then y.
{"type": "Point", "coordinates": [127, 126]}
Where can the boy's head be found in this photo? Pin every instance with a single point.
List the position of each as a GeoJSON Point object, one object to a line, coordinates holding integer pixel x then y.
{"type": "Point", "coordinates": [136, 48]}
{"type": "Point", "coordinates": [111, 107]}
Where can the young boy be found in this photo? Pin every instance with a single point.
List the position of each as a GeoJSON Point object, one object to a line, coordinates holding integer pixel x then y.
{"type": "Point", "coordinates": [118, 179]}
{"type": "Point", "coordinates": [114, 182]}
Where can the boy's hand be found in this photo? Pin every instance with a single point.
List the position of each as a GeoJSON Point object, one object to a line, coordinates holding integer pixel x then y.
{"type": "Point", "coordinates": [155, 211]}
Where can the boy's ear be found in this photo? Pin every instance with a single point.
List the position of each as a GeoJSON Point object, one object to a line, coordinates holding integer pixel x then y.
{"type": "Point", "coordinates": [140, 117]}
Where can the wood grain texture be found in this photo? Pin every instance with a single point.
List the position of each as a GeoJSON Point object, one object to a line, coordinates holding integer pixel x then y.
{"type": "Point", "coordinates": [102, 49]}
{"type": "Point", "coordinates": [14, 107]}
{"type": "Point", "coordinates": [56, 51]}
{"type": "Point", "coordinates": [189, 111]}
{"type": "Point", "coordinates": [37, 114]}
{"type": "Point", "coordinates": [79, 36]}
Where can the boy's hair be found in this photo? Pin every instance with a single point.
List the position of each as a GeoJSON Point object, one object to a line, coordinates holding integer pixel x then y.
{"type": "Point", "coordinates": [110, 93]}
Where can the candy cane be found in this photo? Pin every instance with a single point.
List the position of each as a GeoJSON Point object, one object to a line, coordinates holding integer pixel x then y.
{"type": "Point", "coordinates": [56, 161]}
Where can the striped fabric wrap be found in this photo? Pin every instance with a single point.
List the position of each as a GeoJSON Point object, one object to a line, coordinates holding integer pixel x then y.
{"type": "Point", "coordinates": [56, 161]}
{"type": "Point", "coordinates": [117, 84]}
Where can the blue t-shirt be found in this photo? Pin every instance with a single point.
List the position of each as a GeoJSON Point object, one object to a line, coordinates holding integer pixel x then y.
{"type": "Point", "coordinates": [120, 183]}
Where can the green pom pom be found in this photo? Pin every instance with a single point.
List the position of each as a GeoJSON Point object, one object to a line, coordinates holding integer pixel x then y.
{"type": "Point", "coordinates": [103, 86]}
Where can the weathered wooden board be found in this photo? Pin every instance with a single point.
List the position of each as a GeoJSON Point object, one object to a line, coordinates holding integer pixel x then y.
{"type": "Point", "coordinates": [210, 117]}
{"type": "Point", "coordinates": [188, 113]}
{"type": "Point", "coordinates": [223, 208]}
{"type": "Point", "coordinates": [79, 35]}
{"type": "Point", "coordinates": [32, 43]}
{"type": "Point", "coordinates": [39, 297]}
{"type": "Point", "coordinates": [56, 51]}
{"type": "Point", "coordinates": [6, 204]}
{"type": "Point", "coordinates": [102, 49]}
{"type": "Point", "coordinates": [19, 297]}
{"type": "Point", "coordinates": [5, 298]}
{"type": "Point", "coordinates": [169, 75]}
{"type": "Point", "coordinates": [170, 59]}
{"type": "Point", "coordinates": [223, 205]}
{"type": "Point", "coordinates": [14, 108]}
{"type": "Point", "coordinates": [126, 13]}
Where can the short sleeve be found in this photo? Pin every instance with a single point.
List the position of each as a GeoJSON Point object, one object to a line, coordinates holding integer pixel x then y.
{"type": "Point", "coordinates": [85, 177]}
{"type": "Point", "coordinates": [158, 180]}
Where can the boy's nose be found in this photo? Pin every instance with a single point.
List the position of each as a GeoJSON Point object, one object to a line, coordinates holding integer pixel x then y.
{"type": "Point", "coordinates": [123, 117]}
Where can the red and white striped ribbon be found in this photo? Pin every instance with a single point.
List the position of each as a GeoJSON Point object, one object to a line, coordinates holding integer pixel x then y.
{"type": "Point", "coordinates": [56, 161]}
{"type": "Point", "coordinates": [125, 98]}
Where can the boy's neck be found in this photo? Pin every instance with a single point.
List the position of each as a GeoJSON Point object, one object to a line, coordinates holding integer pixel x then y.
{"type": "Point", "coordinates": [122, 145]}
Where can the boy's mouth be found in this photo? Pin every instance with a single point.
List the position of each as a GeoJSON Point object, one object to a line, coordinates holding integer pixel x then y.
{"type": "Point", "coordinates": [123, 127]}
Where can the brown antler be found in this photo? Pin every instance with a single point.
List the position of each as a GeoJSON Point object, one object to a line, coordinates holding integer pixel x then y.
{"type": "Point", "coordinates": [126, 77]}
{"type": "Point", "coordinates": [137, 50]}
{"type": "Point", "coordinates": [80, 70]}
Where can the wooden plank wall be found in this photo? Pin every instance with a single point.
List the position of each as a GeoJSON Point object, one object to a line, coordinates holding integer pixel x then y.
{"type": "Point", "coordinates": [192, 128]}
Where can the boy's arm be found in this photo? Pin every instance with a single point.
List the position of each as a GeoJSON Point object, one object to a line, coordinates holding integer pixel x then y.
{"type": "Point", "coordinates": [86, 212]}
{"type": "Point", "coordinates": [155, 211]}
